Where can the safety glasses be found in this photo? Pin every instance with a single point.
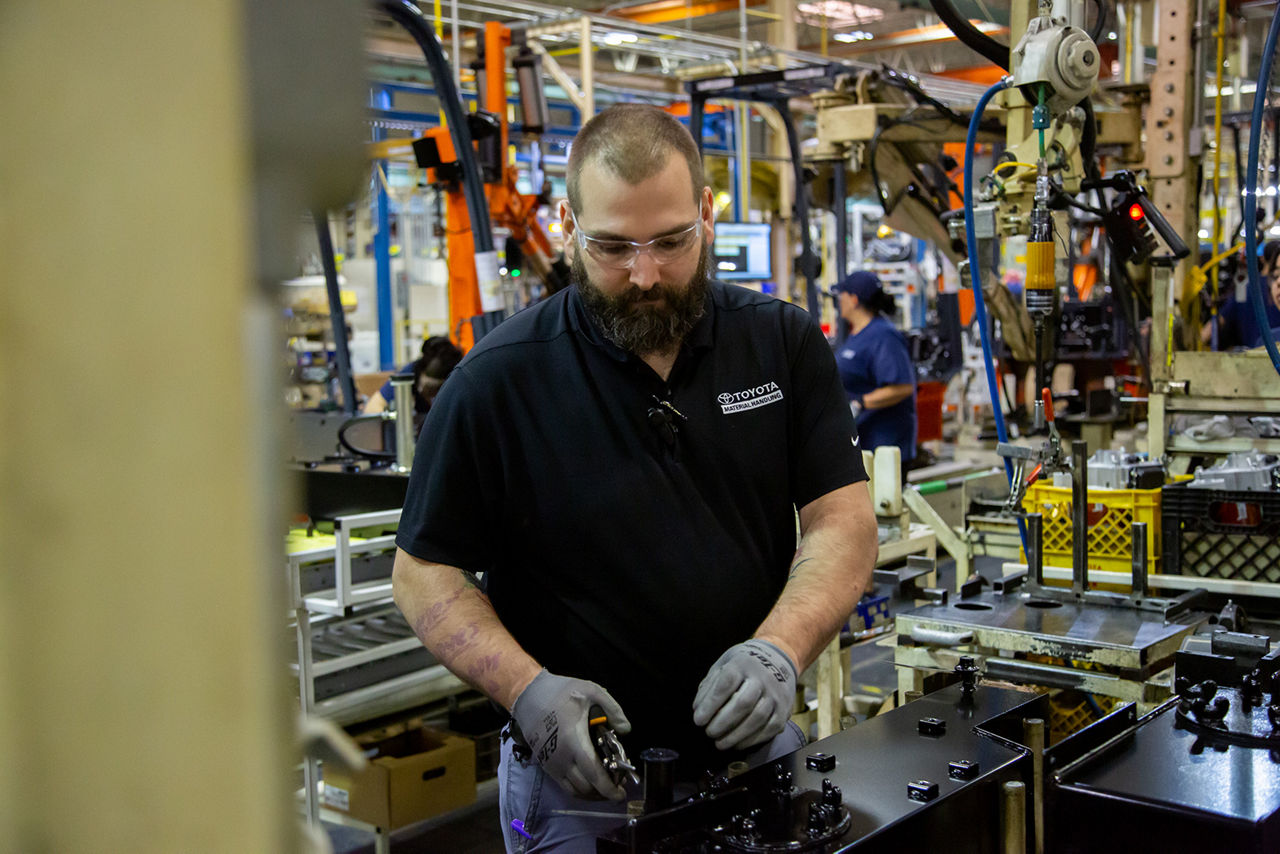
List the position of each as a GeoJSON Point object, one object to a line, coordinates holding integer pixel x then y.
{"type": "Point", "coordinates": [622, 254]}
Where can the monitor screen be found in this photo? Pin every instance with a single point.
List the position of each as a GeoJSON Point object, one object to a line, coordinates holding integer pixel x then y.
{"type": "Point", "coordinates": [742, 251]}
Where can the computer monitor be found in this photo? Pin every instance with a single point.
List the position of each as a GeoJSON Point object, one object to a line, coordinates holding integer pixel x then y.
{"type": "Point", "coordinates": [742, 251]}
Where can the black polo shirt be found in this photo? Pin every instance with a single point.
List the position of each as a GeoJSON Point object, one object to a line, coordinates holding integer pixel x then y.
{"type": "Point", "coordinates": [612, 550]}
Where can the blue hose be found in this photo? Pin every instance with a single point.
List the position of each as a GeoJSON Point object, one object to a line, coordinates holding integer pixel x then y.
{"type": "Point", "coordinates": [975, 271]}
{"type": "Point", "coordinates": [1251, 194]}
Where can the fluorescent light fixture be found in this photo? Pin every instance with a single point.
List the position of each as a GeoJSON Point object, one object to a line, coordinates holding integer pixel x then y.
{"type": "Point", "coordinates": [1204, 234]}
{"type": "Point", "coordinates": [855, 36]}
{"type": "Point", "coordinates": [840, 13]}
{"type": "Point", "coordinates": [616, 38]}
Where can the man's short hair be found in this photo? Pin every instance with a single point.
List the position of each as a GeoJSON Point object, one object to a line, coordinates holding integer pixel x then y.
{"type": "Point", "coordinates": [633, 141]}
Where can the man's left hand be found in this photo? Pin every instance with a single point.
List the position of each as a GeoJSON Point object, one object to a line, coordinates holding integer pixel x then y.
{"type": "Point", "coordinates": [746, 697]}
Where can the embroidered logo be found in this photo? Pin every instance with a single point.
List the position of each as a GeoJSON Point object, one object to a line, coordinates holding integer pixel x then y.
{"type": "Point", "coordinates": [750, 398]}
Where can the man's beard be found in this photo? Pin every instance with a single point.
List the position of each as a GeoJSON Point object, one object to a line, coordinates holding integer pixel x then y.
{"type": "Point", "coordinates": [633, 321]}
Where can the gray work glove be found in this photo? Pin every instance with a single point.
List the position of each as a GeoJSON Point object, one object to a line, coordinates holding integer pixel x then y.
{"type": "Point", "coordinates": [746, 697]}
{"type": "Point", "coordinates": [552, 716]}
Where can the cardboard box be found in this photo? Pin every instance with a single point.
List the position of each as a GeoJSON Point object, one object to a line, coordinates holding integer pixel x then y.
{"type": "Point", "coordinates": [411, 776]}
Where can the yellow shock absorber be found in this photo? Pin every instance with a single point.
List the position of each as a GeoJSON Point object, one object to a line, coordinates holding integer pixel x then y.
{"type": "Point", "coordinates": [1040, 287]}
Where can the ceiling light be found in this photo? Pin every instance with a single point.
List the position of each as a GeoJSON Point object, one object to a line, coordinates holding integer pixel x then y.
{"type": "Point", "coordinates": [1111, 36]}
{"type": "Point", "coordinates": [616, 39]}
{"type": "Point", "coordinates": [839, 13]}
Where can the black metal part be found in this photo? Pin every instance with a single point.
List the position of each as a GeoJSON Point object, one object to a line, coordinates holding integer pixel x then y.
{"type": "Point", "coordinates": [931, 726]}
{"type": "Point", "coordinates": [1160, 785]}
{"type": "Point", "coordinates": [963, 769]}
{"type": "Point", "coordinates": [922, 790]}
{"type": "Point", "coordinates": [659, 777]}
{"type": "Point", "coordinates": [822, 762]}
{"type": "Point", "coordinates": [967, 670]}
{"type": "Point", "coordinates": [330, 490]}
{"type": "Point", "coordinates": [860, 806]}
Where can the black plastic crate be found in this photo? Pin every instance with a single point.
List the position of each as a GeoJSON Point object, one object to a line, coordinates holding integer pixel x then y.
{"type": "Point", "coordinates": [1221, 533]}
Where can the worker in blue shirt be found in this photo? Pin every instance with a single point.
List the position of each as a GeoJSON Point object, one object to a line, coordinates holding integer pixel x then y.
{"type": "Point", "coordinates": [875, 366]}
{"type": "Point", "coordinates": [1238, 325]}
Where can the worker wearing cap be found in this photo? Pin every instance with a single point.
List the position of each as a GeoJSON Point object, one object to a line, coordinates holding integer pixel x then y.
{"type": "Point", "coordinates": [624, 462]}
{"type": "Point", "coordinates": [875, 366]}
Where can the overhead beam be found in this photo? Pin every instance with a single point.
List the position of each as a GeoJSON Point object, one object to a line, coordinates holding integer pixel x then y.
{"type": "Point", "coordinates": [666, 11]}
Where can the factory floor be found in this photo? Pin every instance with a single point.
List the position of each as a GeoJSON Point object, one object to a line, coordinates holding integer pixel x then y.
{"type": "Point", "coordinates": [475, 829]}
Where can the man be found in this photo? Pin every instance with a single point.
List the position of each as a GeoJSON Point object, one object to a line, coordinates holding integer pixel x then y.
{"type": "Point", "coordinates": [622, 462]}
{"type": "Point", "coordinates": [875, 366]}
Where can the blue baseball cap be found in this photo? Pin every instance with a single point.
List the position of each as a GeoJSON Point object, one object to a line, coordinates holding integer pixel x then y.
{"type": "Point", "coordinates": [861, 283]}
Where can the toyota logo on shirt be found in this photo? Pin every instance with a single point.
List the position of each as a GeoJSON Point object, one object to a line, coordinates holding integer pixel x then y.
{"type": "Point", "coordinates": [749, 398]}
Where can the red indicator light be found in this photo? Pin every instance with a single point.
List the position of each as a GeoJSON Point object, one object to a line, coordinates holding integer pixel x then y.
{"type": "Point", "coordinates": [1135, 211]}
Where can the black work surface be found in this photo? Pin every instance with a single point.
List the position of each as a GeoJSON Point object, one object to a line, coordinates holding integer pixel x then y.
{"type": "Point", "coordinates": [1162, 763]}
{"type": "Point", "coordinates": [875, 762]}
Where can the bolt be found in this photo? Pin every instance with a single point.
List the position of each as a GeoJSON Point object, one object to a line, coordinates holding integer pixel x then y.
{"type": "Point", "coordinates": [1168, 111]}
{"type": "Point", "coordinates": [1168, 87]}
{"type": "Point", "coordinates": [1168, 160]}
{"type": "Point", "coordinates": [1168, 136]}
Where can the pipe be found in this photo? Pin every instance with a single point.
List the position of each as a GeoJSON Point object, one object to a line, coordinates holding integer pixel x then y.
{"type": "Point", "coordinates": [337, 317]}
{"type": "Point", "coordinates": [975, 269]}
{"type": "Point", "coordinates": [402, 388]}
{"type": "Point", "coordinates": [1217, 144]}
{"type": "Point", "coordinates": [1033, 731]}
{"type": "Point", "coordinates": [969, 35]}
{"type": "Point", "coordinates": [409, 16]}
{"type": "Point", "coordinates": [1251, 192]}
{"type": "Point", "coordinates": [1013, 813]}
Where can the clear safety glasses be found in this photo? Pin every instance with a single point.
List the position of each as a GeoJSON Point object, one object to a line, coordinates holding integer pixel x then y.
{"type": "Point", "coordinates": [622, 254]}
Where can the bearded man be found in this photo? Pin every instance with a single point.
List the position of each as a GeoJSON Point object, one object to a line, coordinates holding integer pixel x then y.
{"type": "Point", "coordinates": [623, 464]}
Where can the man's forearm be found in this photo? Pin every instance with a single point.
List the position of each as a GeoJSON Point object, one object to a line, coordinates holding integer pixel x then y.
{"type": "Point", "coordinates": [886, 396]}
{"type": "Point", "coordinates": [830, 570]}
{"type": "Point", "coordinates": [456, 622]}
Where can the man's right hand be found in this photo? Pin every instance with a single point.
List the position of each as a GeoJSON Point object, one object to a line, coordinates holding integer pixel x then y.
{"type": "Point", "coordinates": [552, 714]}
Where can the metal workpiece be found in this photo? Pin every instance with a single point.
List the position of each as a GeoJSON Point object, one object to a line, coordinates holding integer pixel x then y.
{"type": "Point", "coordinates": [1131, 646]}
{"type": "Point", "coordinates": [891, 789]}
{"type": "Point", "coordinates": [402, 389]}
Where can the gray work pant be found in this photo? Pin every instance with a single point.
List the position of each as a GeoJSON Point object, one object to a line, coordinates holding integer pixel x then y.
{"type": "Point", "coordinates": [526, 794]}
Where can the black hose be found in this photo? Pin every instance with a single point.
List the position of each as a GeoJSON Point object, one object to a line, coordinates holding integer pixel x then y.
{"type": "Point", "coordinates": [337, 317]}
{"type": "Point", "coordinates": [1096, 32]}
{"type": "Point", "coordinates": [409, 16]}
{"type": "Point", "coordinates": [969, 36]}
